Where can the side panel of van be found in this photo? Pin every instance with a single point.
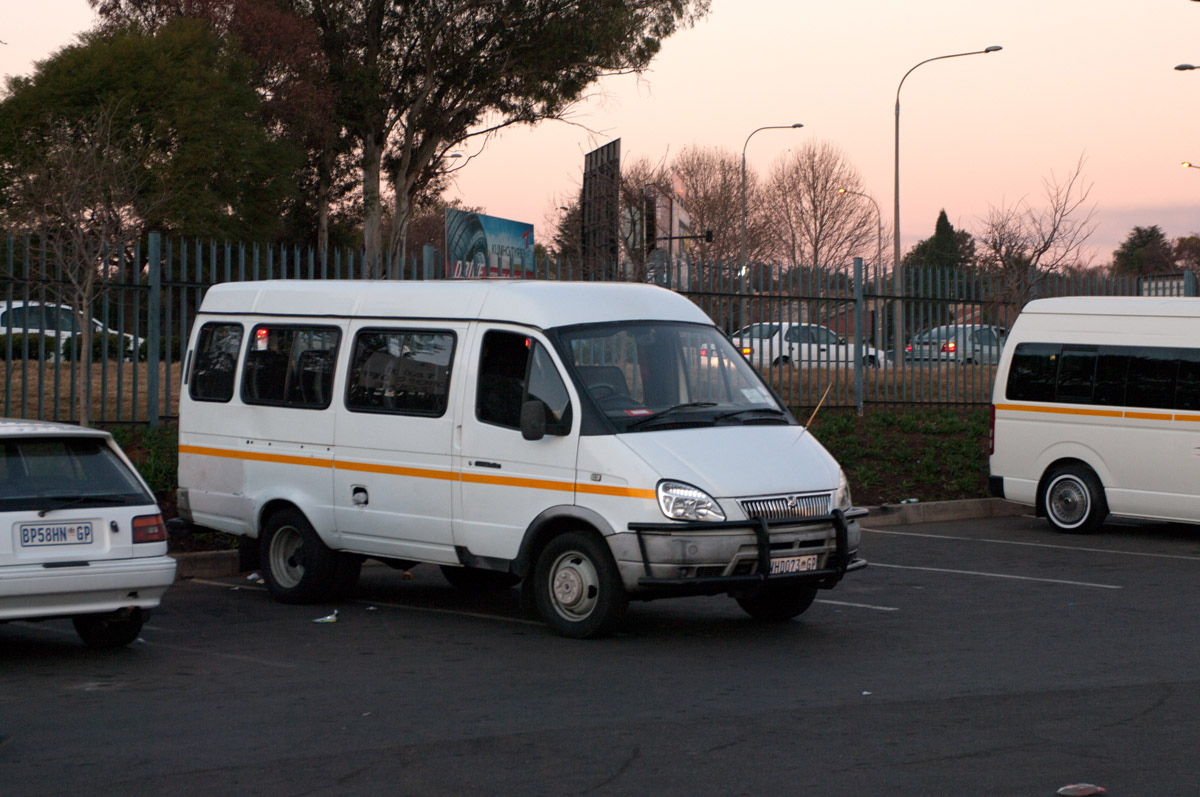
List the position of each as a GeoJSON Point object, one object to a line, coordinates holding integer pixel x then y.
{"type": "Point", "coordinates": [507, 481]}
{"type": "Point", "coordinates": [393, 476]}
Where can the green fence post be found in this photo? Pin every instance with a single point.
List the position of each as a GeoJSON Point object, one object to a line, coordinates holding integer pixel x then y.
{"type": "Point", "coordinates": [154, 327]}
{"type": "Point", "coordinates": [859, 320]}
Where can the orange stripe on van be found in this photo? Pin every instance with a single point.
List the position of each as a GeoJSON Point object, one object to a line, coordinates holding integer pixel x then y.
{"type": "Point", "coordinates": [623, 492]}
{"type": "Point", "coordinates": [421, 473]}
{"type": "Point", "coordinates": [1060, 410]}
{"type": "Point", "coordinates": [1150, 416]}
{"type": "Point", "coordinates": [255, 456]}
{"type": "Point", "coordinates": [1188, 418]}
{"type": "Point", "coordinates": [396, 470]}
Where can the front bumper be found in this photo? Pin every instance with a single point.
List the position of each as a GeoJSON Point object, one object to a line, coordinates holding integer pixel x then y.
{"type": "Point", "coordinates": [712, 558]}
{"type": "Point", "coordinates": [34, 591]}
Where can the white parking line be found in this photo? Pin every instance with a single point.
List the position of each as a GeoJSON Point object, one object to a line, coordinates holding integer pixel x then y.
{"type": "Point", "coordinates": [998, 575]}
{"type": "Point", "coordinates": [1033, 545]}
{"type": "Point", "coordinates": [860, 605]}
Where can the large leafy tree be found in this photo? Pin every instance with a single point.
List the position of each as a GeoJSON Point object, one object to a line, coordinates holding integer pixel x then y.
{"type": "Point", "coordinates": [1145, 250]}
{"type": "Point", "coordinates": [180, 101]}
{"type": "Point", "coordinates": [412, 78]}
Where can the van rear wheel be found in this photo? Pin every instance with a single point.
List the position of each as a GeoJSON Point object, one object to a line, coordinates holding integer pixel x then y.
{"type": "Point", "coordinates": [297, 565]}
{"type": "Point", "coordinates": [1074, 500]}
{"type": "Point", "coordinates": [577, 586]}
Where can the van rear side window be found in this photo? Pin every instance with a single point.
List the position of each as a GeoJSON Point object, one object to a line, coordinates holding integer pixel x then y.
{"type": "Point", "coordinates": [290, 366]}
{"type": "Point", "coordinates": [215, 362]}
{"type": "Point", "coordinates": [1155, 377]}
{"type": "Point", "coordinates": [401, 371]}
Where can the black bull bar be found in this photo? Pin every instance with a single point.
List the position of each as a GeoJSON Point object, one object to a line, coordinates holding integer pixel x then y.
{"type": "Point", "coordinates": [837, 565]}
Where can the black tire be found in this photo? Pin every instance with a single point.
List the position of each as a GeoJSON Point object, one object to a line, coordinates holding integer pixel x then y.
{"type": "Point", "coordinates": [113, 630]}
{"type": "Point", "coordinates": [297, 565]}
{"type": "Point", "coordinates": [776, 602]}
{"type": "Point", "coordinates": [577, 586]}
{"type": "Point", "coordinates": [1073, 500]}
{"type": "Point", "coordinates": [782, 361]}
{"type": "Point", "coordinates": [474, 579]}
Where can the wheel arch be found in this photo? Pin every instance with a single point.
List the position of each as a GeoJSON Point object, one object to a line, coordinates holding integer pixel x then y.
{"type": "Point", "coordinates": [548, 525]}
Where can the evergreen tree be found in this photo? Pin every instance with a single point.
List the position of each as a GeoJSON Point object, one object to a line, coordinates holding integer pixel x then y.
{"type": "Point", "coordinates": [947, 249]}
{"type": "Point", "coordinates": [1144, 251]}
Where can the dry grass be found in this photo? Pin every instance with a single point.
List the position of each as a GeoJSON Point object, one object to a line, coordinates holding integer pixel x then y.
{"type": "Point", "coordinates": [46, 391]}
{"type": "Point", "coordinates": [940, 383]}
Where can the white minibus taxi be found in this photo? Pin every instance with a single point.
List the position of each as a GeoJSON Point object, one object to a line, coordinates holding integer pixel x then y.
{"type": "Point", "coordinates": [567, 435]}
{"type": "Point", "coordinates": [1096, 410]}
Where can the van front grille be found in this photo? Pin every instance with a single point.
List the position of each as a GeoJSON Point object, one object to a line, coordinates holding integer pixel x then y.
{"type": "Point", "coordinates": [788, 507]}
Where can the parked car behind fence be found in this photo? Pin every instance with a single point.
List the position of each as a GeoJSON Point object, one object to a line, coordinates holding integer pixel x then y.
{"type": "Point", "coordinates": [800, 346]}
{"type": "Point", "coordinates": [961, 343]}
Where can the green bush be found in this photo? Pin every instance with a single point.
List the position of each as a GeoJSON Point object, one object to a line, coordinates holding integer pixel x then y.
{"type": "Point", "coordinates": [40, 346]}
{"type": "Point", "coordinates": [115, 348]}
{"type": "Point", "coordinates": [165, 344]}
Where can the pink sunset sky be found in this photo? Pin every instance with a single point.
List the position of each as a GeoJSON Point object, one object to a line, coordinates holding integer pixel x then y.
{"type": "Point", "coordinates": [1091, 78]}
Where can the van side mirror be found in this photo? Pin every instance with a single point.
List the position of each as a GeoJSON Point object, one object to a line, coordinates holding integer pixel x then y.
{"type": "Point", "coordinates": [533, 420]}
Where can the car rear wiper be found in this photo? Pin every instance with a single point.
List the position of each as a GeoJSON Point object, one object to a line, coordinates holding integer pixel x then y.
{"type": "Point", "coordinates": [64, 502]}
{"type": "Point", "coordinates": [685, 406]}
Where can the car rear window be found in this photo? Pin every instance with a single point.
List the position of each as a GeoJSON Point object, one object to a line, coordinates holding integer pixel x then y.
{"type": "Point", "coordinates": [83, 471]}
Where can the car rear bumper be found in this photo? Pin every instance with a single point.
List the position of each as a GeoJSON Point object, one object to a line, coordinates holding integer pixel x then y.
{"type": "Point", "coordinates": [35, 591]}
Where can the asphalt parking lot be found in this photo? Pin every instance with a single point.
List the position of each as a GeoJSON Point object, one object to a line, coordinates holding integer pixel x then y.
{"type": "Point", "coordinates": [984, 656]}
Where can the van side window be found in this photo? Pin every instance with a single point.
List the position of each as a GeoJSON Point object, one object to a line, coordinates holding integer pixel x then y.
{"type": "Point", "coordinates": [514, 369]}
{"type": "Point", "coordinates": [290, 366]}
{"type": "Point", "coordinates": [1076, 376]}
{"type": "Point", "coordinates": [215, 362]}
{"type": "Point", "coordinates": [404, 371]}
{"type": "Point", "coordinates": [1154, 377]}
{"type": "Point", "coordinates": [1033, 372]}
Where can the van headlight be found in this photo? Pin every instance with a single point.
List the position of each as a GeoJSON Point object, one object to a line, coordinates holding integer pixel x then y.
{"type": "Point", "coordinates": [680, 501]}
{"type": "Point", "coordinates": [844, 501]}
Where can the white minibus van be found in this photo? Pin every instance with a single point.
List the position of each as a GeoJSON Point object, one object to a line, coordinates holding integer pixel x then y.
{"type": "Point", "coordinates": [1096, 410]}
{"type": "Point", "coordinates": [568, 435]}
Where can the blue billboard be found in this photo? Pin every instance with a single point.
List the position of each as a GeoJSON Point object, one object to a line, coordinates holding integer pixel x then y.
{"type": "Point", "coordinates": [485, 246]}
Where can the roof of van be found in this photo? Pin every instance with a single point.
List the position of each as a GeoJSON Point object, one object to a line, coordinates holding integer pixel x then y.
{"type": "Point", "coordinates": [538, 303]}
{"type": "Point", "coordinates": [1117, 305]}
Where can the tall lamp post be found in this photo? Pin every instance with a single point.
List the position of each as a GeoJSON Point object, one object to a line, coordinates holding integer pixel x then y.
{"type": "Point", "coordinates": [878, 251]}
{"type": "Point", "coordinates": [1189, 165]}
{"type": "Point", "coordinates": [742, 256]}
{"type": "Point", "coordinates": [897, 273]}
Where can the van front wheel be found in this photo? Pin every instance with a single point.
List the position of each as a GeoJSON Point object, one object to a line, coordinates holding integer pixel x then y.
{"type": "Point", "coordinates": [297, 565]}
{"type": "Point", "coordinates": [577, 586]}
{"type": "Point", "coordinates": [1074, 500]}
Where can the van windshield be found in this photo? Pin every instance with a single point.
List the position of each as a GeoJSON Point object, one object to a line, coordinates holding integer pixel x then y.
{"type": "Point", "coordinates": [657, 375]}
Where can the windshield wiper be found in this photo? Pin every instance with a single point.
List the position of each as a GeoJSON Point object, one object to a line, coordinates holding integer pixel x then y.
{"type": "Point", "coordinates": [669, 410]}
{"type": "Point", "coordinates": [780, 414]}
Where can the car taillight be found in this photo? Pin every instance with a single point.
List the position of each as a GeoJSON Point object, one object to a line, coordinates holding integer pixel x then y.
{"type": "Point", "coordinates": [908, 347]}
{"type": "Point", "coordinates": [747, 351]}
{"type": "Point", "coordinates": [949, 346]}
{"type": "Point", "coordinates": [149, 528]}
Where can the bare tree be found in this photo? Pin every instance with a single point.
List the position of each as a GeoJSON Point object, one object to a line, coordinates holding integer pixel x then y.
{"type": "Point", "coordinates": [83, 198]}
{"type": "Point", "coordinates": [813, 225]}
{"type": "Point", "coordinates": [713, 179]}
{"type": "Point", "coordinates": [1022, 244]}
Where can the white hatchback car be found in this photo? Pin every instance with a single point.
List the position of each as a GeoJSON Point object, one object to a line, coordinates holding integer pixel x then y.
{"type": "Point", "coordinates": [80, 533]}
{"type": "Point", "coordinates": [799, 345]}
{"type": "Point", "coordinates": [56, 320]}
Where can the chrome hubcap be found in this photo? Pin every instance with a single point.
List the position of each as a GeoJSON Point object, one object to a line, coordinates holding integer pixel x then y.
{"type": "Point", "coordinates": [1068, 501]}
{"type": "Point", "coordinates": [286, 557]}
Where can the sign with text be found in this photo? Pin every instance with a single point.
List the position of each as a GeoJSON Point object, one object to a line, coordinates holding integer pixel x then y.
{"type": "Point", "coordinates": [486, 246]}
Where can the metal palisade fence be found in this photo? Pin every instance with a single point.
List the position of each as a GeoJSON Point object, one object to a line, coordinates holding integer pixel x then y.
{"type": "Point", "coordinates": [832, 337]}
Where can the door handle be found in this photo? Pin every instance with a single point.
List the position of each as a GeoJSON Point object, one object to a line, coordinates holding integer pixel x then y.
{"type": "Point", "coordinates": [358, 495]}
{"type": "Point", "coordinates": [479, 463]}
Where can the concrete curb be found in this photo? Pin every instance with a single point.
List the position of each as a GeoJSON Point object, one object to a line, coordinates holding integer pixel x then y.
{"type": "Point", "coordinates": [222, 564]}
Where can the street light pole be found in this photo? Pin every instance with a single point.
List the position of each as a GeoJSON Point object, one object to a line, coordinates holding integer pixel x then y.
{"type": "Point", "coordinates": [878, 253]}
{"type": "Point", "coordinates": [742, 256]}
{"type": "Point", "coordinates": [897, 272]}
